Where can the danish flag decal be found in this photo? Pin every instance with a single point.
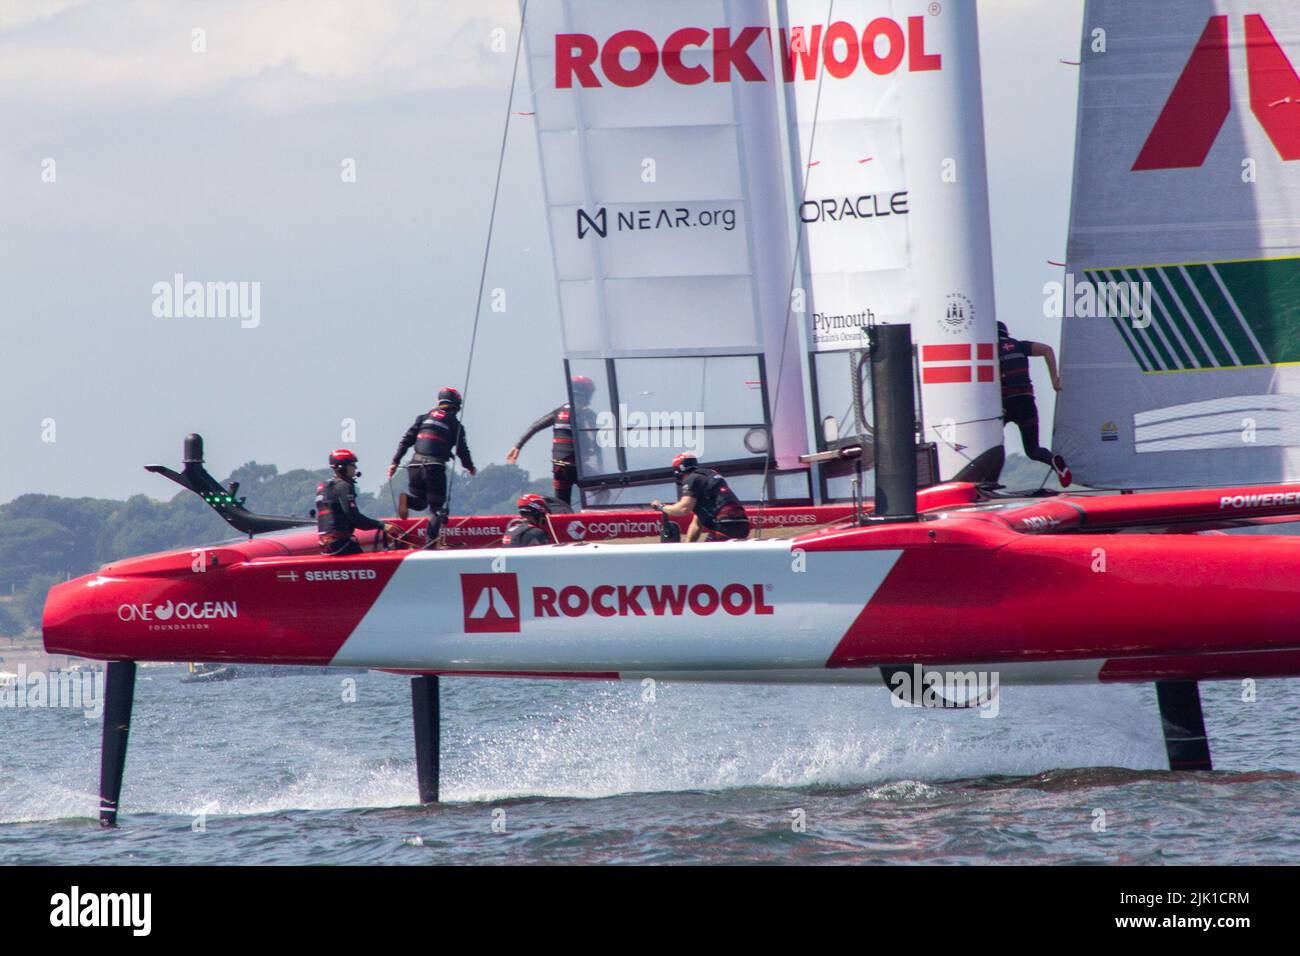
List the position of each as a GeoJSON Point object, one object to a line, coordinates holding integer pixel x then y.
{"type": "Point", "coordinates": [491, 603]}
{"type": "Point", "coordinates": [1201, 99]}
{"type": "Point", "coordinates": [947, 364]}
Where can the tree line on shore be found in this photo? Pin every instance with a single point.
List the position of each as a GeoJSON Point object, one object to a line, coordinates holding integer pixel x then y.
{"type": "Point", "coordinates": [45, 539]}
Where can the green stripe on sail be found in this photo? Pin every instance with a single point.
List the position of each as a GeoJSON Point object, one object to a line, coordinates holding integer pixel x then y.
{"type": "Point", "coordinates": [1128, 344]}
{"type": "Point", "coordinates": [1127, 334]}
{"type": "Point", "coordinates": [1226, 319]}
{"type": "Point", "coordinates": [1178, 298]}
{"type": "Point", "coordinates": [1266, 293]}
{"type": "Point", "coordinates": [1164, 310]}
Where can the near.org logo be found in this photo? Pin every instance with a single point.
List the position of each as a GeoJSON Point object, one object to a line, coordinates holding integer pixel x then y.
{"type": "Point", "coordinates": [645, 220]}
{"type": "Point", "coordinates": [491, 603]}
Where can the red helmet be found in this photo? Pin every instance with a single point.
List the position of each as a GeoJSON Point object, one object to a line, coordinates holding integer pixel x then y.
{"type": "Point", "coordinates": [533, 506]}
{"type": "Point", "coordinates": [451, 396]}
{"type": "Point", "coordinates": [685, 462]}
{"type": "Point", "coordinates": [583, 387]}
{"type": "Point", "coordinates": [342, 456]}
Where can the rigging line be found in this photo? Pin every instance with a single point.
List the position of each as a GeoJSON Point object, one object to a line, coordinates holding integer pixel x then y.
{"type": "Point", "coordinates": [487, 249]}
{"type": "Point", "coordinates": [794, 266]}
{"type": "Point", "coordinates": [953, 446]}
{"type": "Point", "coordinates": [975, 421]}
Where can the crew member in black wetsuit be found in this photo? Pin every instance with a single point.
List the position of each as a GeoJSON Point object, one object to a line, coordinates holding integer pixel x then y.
{"type": "Point", "coordinates": [1018, 405]}
{"type": "Point", "coordinates": [337, 515]}
{"type": "Point", "coordinates": [563, 421]}
{"type": "Point", "coordinates": [531, 528]}
{"type": "Point", "coordinates": [718, 513]}
{"type": "Point", "coordinates": [436, 435]}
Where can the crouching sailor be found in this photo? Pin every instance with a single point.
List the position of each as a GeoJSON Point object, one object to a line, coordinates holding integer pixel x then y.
{"type": "Point", "coordinates": [337, 515]}
{"type": "Point", "coordinates": [717, 512]}
{"type": "Point", "coordinates": [531, 527]}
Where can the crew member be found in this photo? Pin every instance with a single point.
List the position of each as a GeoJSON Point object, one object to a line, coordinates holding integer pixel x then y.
{"type": "Point", "coordinates": [337, 515]}
{"type": "Point", "coordinates": [437, 435]}
{"type": "Point", "coordinates": [531, 529]}
{"type": "Point", "coordinates": [717, 512]}
{"type": "Point", "coordinates": [562, 421]}
{"type": "Point", "coordinates": [1018, 405]}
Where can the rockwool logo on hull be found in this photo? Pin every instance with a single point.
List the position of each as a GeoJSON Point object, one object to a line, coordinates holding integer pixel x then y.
{"type": "Point", "coordinates": [491, 601]}
{"type": "Point", "coordinates": [658, 600]}
{"type": "Point", "coordinates": [694, 55]}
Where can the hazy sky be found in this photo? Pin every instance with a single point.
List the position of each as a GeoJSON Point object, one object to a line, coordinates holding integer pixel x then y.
{"type": "Point", "coordinates": [228, 165]}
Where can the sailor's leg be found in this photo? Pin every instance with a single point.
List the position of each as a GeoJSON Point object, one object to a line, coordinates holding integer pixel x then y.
{"type": "Point", "coordinates": [416, 495]}
{"type": "Point", "coordinates": [563, 475]}
{"type": "Point", "coordinates": [1184, 725]}
{"type": "Point", "coordinates": [435, 478]}
{"type": "Point", "coordinates": [1026, 419]}
{"type": "Point", "coordinates": [426, 710]}
{"type": "Point", "coordinates": [119, 694]}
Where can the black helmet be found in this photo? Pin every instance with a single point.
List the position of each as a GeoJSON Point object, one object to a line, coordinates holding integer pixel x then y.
{"type": "Point", "coordinates": [449, 396]}
{"type": "Point", "coordinates": [1002, 330]}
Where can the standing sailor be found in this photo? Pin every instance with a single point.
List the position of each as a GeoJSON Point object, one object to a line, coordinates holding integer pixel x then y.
{"type": "Point", "coordinates": [337, 515]}
{"type": "Point", "coordinates": [562, 421]}
{"type": "Point", "coordinates": [531, 527]}
{"type": "Point", "coordinates": [436, 435]}
{"type": "Point", "coordinates": [1018, 405]}
{"type": "Point", "coordinates": [718, 513]}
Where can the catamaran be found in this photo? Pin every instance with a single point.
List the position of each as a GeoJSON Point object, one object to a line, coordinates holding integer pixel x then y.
{"type": "Point", "coordinates": [774, 216]}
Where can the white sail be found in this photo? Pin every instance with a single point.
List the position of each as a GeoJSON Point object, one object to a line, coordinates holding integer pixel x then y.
{"type": "Point", "coordinates": [673, 139]}
{"type": "Point", "coordinates": [1181, 327]}
{"type": "Point", "coordinates": [661, 165]}
{"type": "Point", "coordinates": [887, 115]}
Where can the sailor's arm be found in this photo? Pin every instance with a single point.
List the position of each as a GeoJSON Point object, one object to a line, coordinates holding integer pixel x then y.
{"type": "Point", "coordinates": [360, 521]}
{"type": "Point", "coordinates": [546, 421]}
{"type": "Point", "coordinates": [1045, 352]}
{"type": "Point", "coordinates": [462, 449]}
{"type": "Point", "coordinates": [407, 441]}
{"type": "Point", "coordinates": [683, 507]}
